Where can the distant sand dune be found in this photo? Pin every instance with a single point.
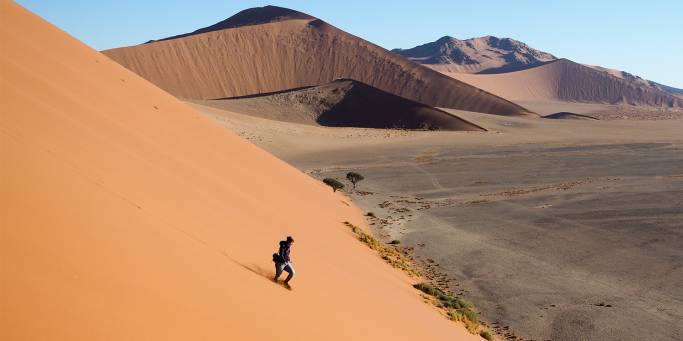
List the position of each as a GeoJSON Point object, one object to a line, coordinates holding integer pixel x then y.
{"type": "Point", "coordinates": [344, 103]}
{"type": "Point", "coordinates": [565, 80]}
{"type": "Point", "coordinates": [569, 115]}
{"type": "Point", "coordinates": [290, 53]}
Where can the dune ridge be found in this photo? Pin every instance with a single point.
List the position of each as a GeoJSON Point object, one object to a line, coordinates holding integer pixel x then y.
{"type": "Point", "coordinates": [288, 54]}
{"type": "Point", "coordinates": [638, 80]}
{"type": "Point", "coordinates": [344, 103]}
{"type": "Point", "coordinates": [565, 80]}
{"type": "Point", "coordinates": [126, 215]}
{"type": "Point", "coordinates": [247, 17]}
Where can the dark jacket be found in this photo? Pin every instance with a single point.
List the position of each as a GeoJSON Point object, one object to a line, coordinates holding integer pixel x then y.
{"type": "Point", "coordinates": [284, 250]}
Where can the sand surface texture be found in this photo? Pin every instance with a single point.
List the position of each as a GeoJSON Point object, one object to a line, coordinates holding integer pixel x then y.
{"type": "Point", "coordinates": [127, 215]}
{"type": "Point", "coordinates": [287, 54]}
{"type": "Point", "coordinates": [560, 229]}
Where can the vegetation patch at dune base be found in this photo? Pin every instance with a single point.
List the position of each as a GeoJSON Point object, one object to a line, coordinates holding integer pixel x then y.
{"type": "Point", "coordinates": [486, 334]}
{"type": "Point", "coordinates": [453, 307]}
{"type": "Point", "coordinates": [390, 254]}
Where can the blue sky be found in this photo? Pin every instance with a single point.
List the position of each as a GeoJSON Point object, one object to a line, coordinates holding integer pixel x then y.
{"type": "Point", "coordinates": [642, 37]}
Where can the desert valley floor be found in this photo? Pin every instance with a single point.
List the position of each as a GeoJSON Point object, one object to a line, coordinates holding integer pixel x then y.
{"type": "Point", "coordinates": [541, 223]}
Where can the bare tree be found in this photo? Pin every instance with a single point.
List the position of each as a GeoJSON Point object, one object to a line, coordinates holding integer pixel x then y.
{"type": "Point", "coordinates": [354, 178]}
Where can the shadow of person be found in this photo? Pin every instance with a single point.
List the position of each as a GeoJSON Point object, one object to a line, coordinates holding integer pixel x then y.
{"type": "Point", "coordinates": [258, 270]}
{"type": "Point", "coordinates": [255, 269]}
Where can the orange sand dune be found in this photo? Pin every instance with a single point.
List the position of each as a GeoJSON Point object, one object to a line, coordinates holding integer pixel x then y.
{"type": "Point", "coordinates": [565, 80]}
{"type": "Point", "coordinates": [126, 215]}
{"type": "Point", "coordinates": [267, 56]}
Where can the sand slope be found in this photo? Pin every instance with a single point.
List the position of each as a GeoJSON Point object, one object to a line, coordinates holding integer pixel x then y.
{"type": "Point", "coordinates": [344, 103]}
{"type": "Point", "coordinates": [639, 80]}
{"type": "Point", "coordinates": [487, 54]}
{"type": "Point", "coordinates": [565, 80]}
{"type": "Point", "coordinates": [126, 215]}
{"type": "Point", "coordinates": [287, 53]}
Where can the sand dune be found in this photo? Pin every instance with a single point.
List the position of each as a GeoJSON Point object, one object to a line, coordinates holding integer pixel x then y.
{"type": "Point", "coordinates": [283, 53]}
{"type": "Point", "coordinates": [639, 80]}
{"type": "Point", "coordinates": [126, 215]}
{"type": "Point", "coordinates": [344, 103]}
{"type": "Point", "coordinates": [487, 54]}
{"type": "Point", "coordinates": [565, 80]}
{"type": "Point", "coordinates": [563, 115]}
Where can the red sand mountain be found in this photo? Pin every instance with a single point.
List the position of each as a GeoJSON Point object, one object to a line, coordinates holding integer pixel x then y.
{"type": "Point", "coordinates": [344, 103]}
{"type": "Point", "coordinates": [251, 16]}
{"type": "Point", "coordinates": [271, 49]}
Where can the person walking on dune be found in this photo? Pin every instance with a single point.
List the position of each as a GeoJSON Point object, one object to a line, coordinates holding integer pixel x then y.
{"type": "Point", "coordinates": [282, 260]}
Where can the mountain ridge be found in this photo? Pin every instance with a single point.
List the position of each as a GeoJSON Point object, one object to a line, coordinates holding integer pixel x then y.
{"type": "Point", "coordinates": [487, 54]}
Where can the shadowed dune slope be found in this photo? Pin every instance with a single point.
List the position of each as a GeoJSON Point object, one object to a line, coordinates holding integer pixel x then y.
{"type": "Point", "coordinates": [344, 103]}
{"type": "Point", "coordinates": [287, 54]}
{"type": "Point", "coordinates": [569, 116]}
{"type": "Point", "coordinates": [126, 215]}
{"type": "Point", "coordinates": [565, 80]}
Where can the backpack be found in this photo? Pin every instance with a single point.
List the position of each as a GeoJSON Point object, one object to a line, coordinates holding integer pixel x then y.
{"type": "Point", "coordinates": [277, 258]}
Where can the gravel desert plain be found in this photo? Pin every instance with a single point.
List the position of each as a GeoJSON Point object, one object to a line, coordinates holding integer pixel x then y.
{"type": "Point", "coordinates": [508, 194]}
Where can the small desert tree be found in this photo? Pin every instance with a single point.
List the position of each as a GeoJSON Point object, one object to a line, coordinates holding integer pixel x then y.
{"type": "Point", "coordinates": [354, 177]}
{"type": "Point", "coordinates": [333, 183]}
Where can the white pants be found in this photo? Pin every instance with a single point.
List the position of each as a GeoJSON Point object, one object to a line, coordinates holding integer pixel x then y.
{"type": "Point", "coordinates": [286, 267]}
